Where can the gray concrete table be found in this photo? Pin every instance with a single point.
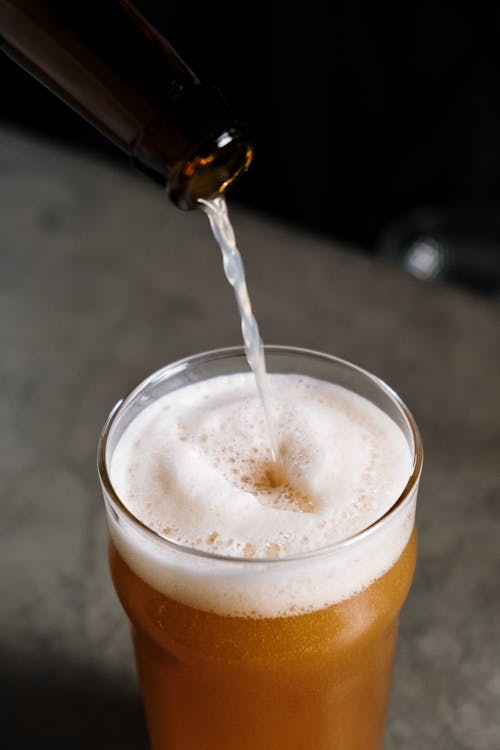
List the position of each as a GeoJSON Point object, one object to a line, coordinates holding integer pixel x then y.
{"type": "Point", "coordinates": [103, 281]}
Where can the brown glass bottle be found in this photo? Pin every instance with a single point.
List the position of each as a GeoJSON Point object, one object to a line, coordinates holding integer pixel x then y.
{"type": "Point", "coordinates": [104, 59]}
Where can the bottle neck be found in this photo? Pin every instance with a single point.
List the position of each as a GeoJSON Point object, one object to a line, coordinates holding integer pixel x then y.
{"type": "Point", "coordinates": [194, 146]}
{"type": "Point", "coordinates": [109, 64]}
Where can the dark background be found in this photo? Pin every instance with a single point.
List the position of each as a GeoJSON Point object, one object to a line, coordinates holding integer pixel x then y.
{"type": "Point", "coordinates": [370, 128]}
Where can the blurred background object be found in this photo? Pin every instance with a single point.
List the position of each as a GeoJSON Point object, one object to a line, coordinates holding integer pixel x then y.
{"type": "Point", "coordinates": [459, 245]}
{"type": "Point", "coordinates": [362, 121]}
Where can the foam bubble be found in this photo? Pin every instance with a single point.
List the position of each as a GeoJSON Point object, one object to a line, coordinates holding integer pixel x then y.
{"type": "Point", "coordinates": [195, 467]}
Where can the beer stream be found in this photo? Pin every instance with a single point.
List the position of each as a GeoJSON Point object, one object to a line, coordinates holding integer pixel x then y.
{"type": "Point", "coordinates": [234, 269]}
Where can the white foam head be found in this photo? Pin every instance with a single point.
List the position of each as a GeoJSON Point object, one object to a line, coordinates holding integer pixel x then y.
{"type": "Point", "coordinates": [194, 467]}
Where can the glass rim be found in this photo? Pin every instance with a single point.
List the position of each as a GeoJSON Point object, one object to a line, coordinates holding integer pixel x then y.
{"type": "Point", "coordinates": [234, 351]}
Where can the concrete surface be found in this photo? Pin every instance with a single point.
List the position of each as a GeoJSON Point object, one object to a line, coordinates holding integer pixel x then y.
{"type": "Point", "coordinates": [102, 281]}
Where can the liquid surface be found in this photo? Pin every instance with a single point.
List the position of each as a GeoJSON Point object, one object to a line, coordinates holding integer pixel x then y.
{"type": "Point", "coordinates": [195, 466]}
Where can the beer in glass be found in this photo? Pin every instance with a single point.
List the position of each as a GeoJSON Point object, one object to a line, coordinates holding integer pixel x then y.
{"type": "Point", "coordinates": [263, 599]}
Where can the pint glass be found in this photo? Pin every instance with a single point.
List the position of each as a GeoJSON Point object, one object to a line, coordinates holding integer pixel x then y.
{"type": "Point", "coordinates": [226, 659]}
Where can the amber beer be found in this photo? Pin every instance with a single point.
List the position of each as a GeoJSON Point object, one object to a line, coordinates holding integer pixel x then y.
{"type": "Point", "coordinates": [230, 683]}
{"type": "Point", "coordinates": [231, 652]}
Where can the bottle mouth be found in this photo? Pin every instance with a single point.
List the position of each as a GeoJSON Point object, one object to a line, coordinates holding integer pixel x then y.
{"type": "Point", "coordinates": [212, 170]}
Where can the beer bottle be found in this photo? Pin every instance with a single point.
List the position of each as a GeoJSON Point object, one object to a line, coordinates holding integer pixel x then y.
{"type": "Point", "coordinates": [104, 59]}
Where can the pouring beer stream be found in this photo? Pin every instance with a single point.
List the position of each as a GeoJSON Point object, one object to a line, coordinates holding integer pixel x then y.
{"type": "Point", "coordinates": [234, 269]}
